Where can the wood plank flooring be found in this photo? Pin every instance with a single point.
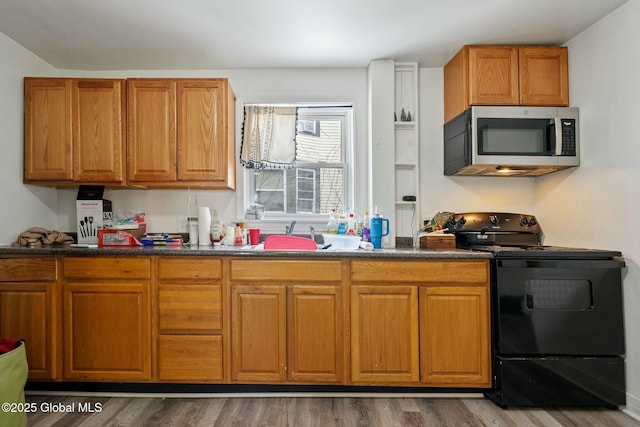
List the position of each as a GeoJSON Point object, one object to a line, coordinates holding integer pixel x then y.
{"type": "Point", "coordinates": [303, 411]}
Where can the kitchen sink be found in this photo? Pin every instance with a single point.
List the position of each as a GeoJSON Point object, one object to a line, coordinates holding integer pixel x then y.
{"type": "Point", "coordinates": [288, 243]}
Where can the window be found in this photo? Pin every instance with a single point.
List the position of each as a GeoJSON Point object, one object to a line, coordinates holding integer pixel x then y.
{"type": "Point", "coordinates": [319, 180]}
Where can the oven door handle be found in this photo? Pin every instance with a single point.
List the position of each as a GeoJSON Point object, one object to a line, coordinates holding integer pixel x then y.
{"type": "Point", "coordinates": [559, 263]}
{"type": "Point", "coordinates": [522, 263]}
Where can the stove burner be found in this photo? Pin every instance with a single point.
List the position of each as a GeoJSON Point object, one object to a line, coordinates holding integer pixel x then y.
{"type": "Point", "coordinates": [510, 235]}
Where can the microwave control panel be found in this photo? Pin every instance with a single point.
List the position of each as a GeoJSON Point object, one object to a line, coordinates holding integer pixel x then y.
{"type": "Point", "coordinates": [568, 137]}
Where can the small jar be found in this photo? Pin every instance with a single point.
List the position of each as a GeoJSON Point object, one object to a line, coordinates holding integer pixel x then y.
{"type": "Point", "coordinates": [192, 223]}
{"type": "Point", "coordinates": [217, 232]}
{"type": "Point", "coordinates": [230, 236]}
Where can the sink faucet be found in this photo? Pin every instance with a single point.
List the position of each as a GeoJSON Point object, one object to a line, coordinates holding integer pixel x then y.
{"type": "Point", "coordinates": [289, 228]}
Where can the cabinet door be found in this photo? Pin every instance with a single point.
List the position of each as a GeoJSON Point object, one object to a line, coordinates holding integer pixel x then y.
{"type": "Point", "coordinates": [384, 334]}
{"type": "Point", "coordinates": [152, 130]}
{"type": "Point", "coordinates": [493, 75]}
{"type": "Point", "coordinates": [27, 311]}
{"type": "Point", "coordinates": [202, 130]}
{"type": "Point", "coordinates": [454, 336]}
{"type": "Point", "coordinates": [47, 130]}
{"type": "Point", "coordinates": [258, 330]}
{"type": "Point", "coordinates": [315, 351]}
{"type": "Point", "coordinates": [99, 125]}
{"type": "Point", "coordinates": [107, 332]}
{"type": "Point", "coordinates": [544, 76]}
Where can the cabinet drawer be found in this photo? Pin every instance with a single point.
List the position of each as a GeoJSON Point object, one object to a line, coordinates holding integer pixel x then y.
{"type": "Point", "coordinates": [28, 269]}
{"type": "Point", "coordinates": [189, 268]}
{"type": "Point", "coordinates": [286, 270]}
{"type": "Point", "coordinates": [194, 309]}
{"type": "Point", "coordinates": [427, 271]}
{"type": "Point", "coordinates": [107, 268]}
{"type": "Point", "coordinates": [190, 358]}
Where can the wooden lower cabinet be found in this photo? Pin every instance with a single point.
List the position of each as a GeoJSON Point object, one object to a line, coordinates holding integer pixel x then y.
{"type": "Point", "coordinates": [384, 334]}
{"type": "Point", "coordinates": [315, 334]}
{"type": "Point", "coordinates": [107, 318]}
{"type": "Point", "coordinates": [190, 340]}
{"type": "Point", "coordinates": [107, 332]}
{"type": "Point", "coordinates": [420, 323]}
{"type": "Point", "coordinates": [29, 297]}
{"type": "Point", "coordinates": [454, 336]}
{"type": "Point", "coordinates": [287, 333]}
{"type": "Point", "coordinates": [258, 330]}
{"type": "Point", "coordinates": [190, 320]}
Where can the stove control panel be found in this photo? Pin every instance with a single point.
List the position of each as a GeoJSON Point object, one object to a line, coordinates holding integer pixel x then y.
{"type": "Point", "coordinates": [493, 222]}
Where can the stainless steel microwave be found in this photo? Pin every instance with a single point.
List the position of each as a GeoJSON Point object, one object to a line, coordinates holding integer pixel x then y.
{"type": "Point", "coordinates": [511, 141]}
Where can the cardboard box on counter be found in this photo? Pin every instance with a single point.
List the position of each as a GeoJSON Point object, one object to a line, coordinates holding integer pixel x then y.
{"type": "Point", "coordinates": [93, 213]}
{"type": "Point", "coordinates": [438, 241]}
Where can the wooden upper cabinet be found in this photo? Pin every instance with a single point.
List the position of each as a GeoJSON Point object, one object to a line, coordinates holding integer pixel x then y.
{"type": "Point", "coordinates": [74, 131]}
{"type": "Point", "coordinates": [544, 76]}
{"type": "Point", "coordinates": [505, 75]}
{"type": "Point", "coordinates": [152, 130]}
{"type": "Point", "coordinates": [48, 145]}
{"type": "Point", "coordinates": [202, 129]}
{"type": "Point", "coordinates": [99, 130]}
{"type": "Point", "coordinates": [181, 133]}
{"type": "Point", "coordinates": [493, 75]}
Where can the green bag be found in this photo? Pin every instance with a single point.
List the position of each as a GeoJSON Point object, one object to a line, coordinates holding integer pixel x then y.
{"type": "Point", "coordinates": [13, 377]}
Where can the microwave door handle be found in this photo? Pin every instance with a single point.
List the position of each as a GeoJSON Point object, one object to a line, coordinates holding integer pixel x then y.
{"type": "Point", "coordinates": [558, 126]}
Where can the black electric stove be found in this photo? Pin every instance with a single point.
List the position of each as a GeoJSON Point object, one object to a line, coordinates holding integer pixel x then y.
{"type": "Point", "coordinates": [511, 235]}
{"type": "Point", "coordinates": [557, 322]}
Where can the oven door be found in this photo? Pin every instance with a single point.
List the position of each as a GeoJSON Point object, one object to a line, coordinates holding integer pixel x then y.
{"type": "Point", "coordinates": [559, 307]}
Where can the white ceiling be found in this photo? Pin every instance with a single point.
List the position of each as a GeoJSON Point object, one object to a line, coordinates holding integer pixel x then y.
{"type": "Point", "coordinates": [235, 34]}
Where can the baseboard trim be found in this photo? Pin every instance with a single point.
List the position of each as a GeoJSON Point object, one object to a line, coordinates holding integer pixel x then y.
{"type": "Point", "coordinates": [266, 394]}
{"type": "Point", "coordinates": [633, 406]}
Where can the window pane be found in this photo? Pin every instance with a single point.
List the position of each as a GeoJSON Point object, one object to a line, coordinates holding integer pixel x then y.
{"type": "Point", "coordinates": [326, 147]}
{"type": "Point", "coordinates": [269, 179]}
{"type": "Point", "coordinates": [331, 190]}
{"type": "Point", "coordinates": [270, 189]}
{"type": "Point", "coordinates": [306, 190]}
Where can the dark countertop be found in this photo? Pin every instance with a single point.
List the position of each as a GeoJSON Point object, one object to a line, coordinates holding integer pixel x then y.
{"type": "Point", "coordinates": [246, 251]}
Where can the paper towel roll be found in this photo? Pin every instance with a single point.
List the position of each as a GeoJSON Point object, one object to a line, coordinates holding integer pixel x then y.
{"type": "Point", "coordinates": [204, 225]}
{"type": "Point", "coordinates": [367, 246]}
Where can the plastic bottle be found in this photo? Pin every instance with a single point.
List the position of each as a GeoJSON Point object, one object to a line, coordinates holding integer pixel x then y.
{"type": "Point", "coordinates": [332, 225]}
{"type": "Point", "coordinates": [237, 235]}
{"type": "Point", "coordinates": [217, 230]}
{"type": "Point", "coordinates": [366, 227]}
{"type": "Point", "coordinates": [342, 224]}
{"type": "Point", "coordinates": [351, 225]}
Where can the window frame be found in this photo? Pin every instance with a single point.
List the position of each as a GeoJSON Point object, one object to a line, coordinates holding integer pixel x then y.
{"type": "Point", "coordinates": [329, 111]}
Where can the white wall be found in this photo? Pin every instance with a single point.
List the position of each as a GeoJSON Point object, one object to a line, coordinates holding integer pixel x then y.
{"type": "Point", "coordinates": [440, 193]}
{"type": "Point", "coordinates": [597, 204]}
{"type": "Point", "coordinates": [23, 206]}
{"type": "Point", "coordinates": [164, 208]}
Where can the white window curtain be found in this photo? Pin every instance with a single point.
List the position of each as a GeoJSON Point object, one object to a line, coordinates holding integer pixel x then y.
{"type": "Point", "coordinates": [268, 137]}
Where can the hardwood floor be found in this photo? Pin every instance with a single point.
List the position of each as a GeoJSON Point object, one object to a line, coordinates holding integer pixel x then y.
{"type": "Point", "coordinates": [54, 410]}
